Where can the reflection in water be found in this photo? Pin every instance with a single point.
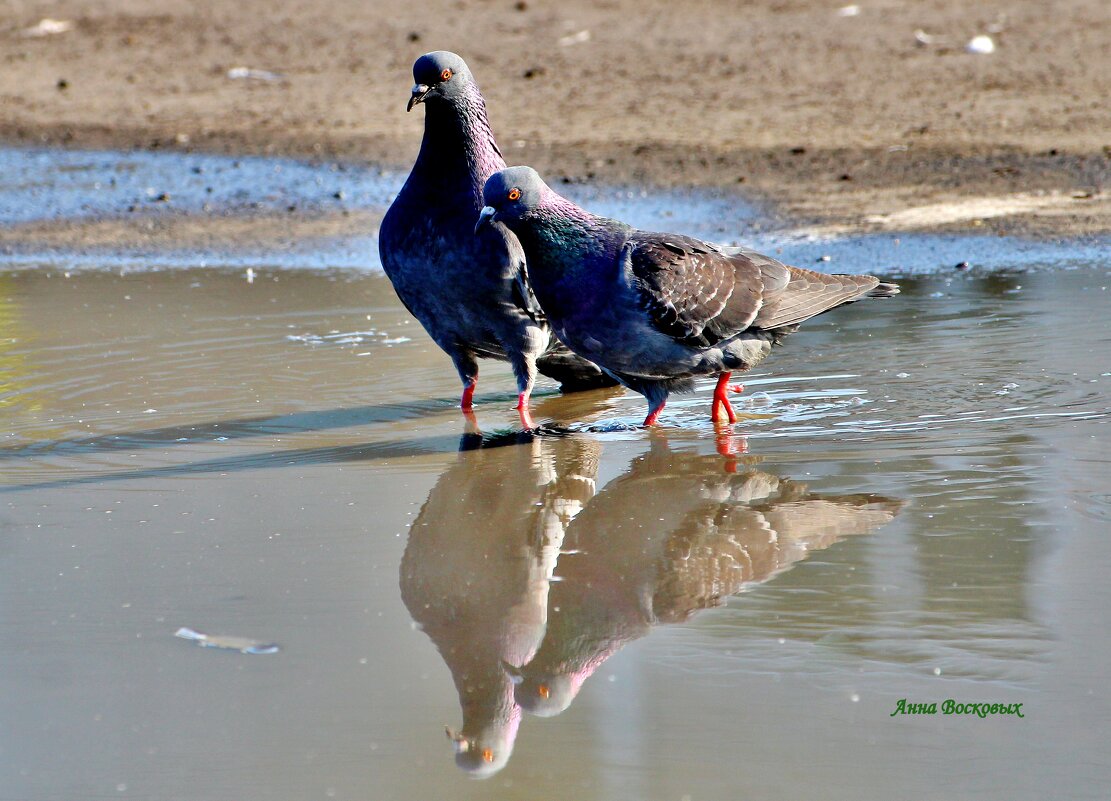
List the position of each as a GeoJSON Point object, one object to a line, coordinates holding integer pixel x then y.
{"type": "Point", "coordinates": [477, 567]}
{"type": "Point", "coordinates": [677, 533]}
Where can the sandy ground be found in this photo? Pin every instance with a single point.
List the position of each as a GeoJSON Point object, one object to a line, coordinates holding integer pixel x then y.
{"type": "Point", "coordinates": [836, 121]}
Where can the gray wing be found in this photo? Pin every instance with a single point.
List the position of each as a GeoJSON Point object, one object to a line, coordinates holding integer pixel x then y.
{"type": "Point", "coordinates": [700, 295]}
{"type": "Point", "coordinates": [692, 291]}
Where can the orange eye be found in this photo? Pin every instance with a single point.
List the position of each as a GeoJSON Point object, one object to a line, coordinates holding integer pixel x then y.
{"type": "Point", "coordinates": [445, 75]}
{"type": "Point", "coordinates": [543, 690]}
{"type": "Point", "coordinates": [514, 194]}
{"type": "Point", "coordinates": [487, 755]}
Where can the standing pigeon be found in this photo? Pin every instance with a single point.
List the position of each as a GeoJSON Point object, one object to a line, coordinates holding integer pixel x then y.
{"type": "Point", "coordinates": [655, 310]}
{"type": "Point", "coordinates": [470, 293]}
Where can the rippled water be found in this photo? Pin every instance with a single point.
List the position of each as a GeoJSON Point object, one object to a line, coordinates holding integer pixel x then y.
{"type": "Point", "coordinates": [915, 504]}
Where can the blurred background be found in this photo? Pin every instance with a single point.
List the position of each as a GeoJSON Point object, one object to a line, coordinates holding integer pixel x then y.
{"type": "Point", "coordinates": [830, 110]}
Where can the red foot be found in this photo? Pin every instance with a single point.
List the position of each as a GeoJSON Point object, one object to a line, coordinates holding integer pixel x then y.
{"type": "Point", "coordinates": [468, 395]}
{"type": "Point", "coordinates": [523, 411]}
{"type": "Point", "coordinates": [654, 415]}
{"type": "Point", "coordinates": [721, 400]}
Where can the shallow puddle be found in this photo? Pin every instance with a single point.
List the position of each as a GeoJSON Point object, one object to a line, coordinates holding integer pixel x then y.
{"type": "Point", "coordinates": [913, 506]}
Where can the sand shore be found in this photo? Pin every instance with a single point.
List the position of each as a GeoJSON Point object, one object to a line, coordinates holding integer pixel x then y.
{"type": "Point", "coordinates": [837, 121]}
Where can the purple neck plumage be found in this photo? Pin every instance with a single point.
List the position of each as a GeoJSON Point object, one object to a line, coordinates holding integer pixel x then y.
{"type": "Point", "coordinates": [553, 204]}
{"type": "Point", "coordinates": [458, 142]}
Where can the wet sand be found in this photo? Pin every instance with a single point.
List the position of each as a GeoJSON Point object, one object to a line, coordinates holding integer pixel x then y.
{"type": "Point", "coordinates": [835, 121]}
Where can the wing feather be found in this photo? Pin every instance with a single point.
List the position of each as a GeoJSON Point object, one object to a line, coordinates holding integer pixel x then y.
{"type": "Point", "coordinates": [700, 295]}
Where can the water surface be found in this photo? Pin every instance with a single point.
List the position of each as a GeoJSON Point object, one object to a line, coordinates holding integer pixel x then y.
{"type": "Point", "coordinates": [914, 505]}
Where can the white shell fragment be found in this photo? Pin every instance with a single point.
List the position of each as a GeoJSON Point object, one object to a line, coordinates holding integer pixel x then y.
{"type": "Point", "coordinates": [242, 644]}
{"type": "Point", "coordinates": [848, 11]}
{"type": "Point", "coordinates": [574, 38]}
{"type": "Point", "coordinates": [48, 27]}
{"type": "Point", "coordinates": [981, 45]}
{"type": "Point", "coordinates": [248, 74]}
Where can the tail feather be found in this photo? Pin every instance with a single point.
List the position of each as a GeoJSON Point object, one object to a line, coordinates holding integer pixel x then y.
{"type": "Point", "coordinates": [574, 373]}
{"type": "Point", "coordinates": [884, 290]}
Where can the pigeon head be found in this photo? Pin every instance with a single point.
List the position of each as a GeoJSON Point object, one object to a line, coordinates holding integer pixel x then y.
{"type": "Point", "coordinates": [439, 75]}
{"type": "Point", "coordinates": [546, 696]}
{"type": "Point", "coordinates": [510, 195]}
{"type": "Point", "coordinates": [484, 755]}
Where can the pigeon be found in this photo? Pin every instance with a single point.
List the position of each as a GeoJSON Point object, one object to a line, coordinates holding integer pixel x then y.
{"type": "Point", "coordinates": [656, 310]}
{"type": "Point", "coordinates": [471, 294]}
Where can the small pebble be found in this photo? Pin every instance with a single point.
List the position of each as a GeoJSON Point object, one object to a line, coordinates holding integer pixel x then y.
{"type": "Point", "coordinates": [981, 45]}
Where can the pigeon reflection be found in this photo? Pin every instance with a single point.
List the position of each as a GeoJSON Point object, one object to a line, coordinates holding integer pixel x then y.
{"type": "Point", "coordinates": [527, 582]}
{"type": "Point", "coordinates": [678, 533]}
{"type": "Point", "coordinates": [477, 569]}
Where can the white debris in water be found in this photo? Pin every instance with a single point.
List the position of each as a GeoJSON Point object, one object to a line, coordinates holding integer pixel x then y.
{"type": "Point", "coordinates": [848, 11]}
{"type": "Point", "coordinates": [902, 375]}
{"type": "Point", "coordinates": [855, 698]}
{"type": "Point", "coordinates": [760, 399]}
{"type": "Point", "coordinates": [937, 671]}
{"type": "Point", "coordinates": [48, 27]}
{"type": "Point", "coordinates": [248, 74]}
{"type": "Point", "coordinates": [149, 411]}
{"type": "Point", "coordinates": [981, 45]}
{"type": "Point", "coordinates": [250, 275]}
{"type": "Point", "coordinates": [241, 644]}
{"type": "Point", "coordinates": [924, 39]}
{"type": "Point", "coordinates": [338, 334]}
{"type": "Point", "coordinates": [574, 38]}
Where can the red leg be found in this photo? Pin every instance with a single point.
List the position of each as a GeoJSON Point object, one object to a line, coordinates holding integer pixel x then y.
{"type": "Point", "coordinates": [653, 415]}
{"type": "Point", "coordinates": [468, 395]}
{"type": "Point", "coordinates": [523, 410]}
{"type": "Point", "coordinates": [722, 400]}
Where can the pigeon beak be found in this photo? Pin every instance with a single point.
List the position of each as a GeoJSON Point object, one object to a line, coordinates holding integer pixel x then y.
{"type": "Point", "coordinates": [485, 216]}
{"type": "Point", "coordinates": [420, 92]}
{"type": "Point", "coordinates": [514, 672]}
{"type": "Point", "coordinates": [460, 743]}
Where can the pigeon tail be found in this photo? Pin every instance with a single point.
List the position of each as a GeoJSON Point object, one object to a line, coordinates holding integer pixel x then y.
{"type": "Point", "coordinates": [573, 373]}
{"type": "Point", "coordinates": [884, 290]}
